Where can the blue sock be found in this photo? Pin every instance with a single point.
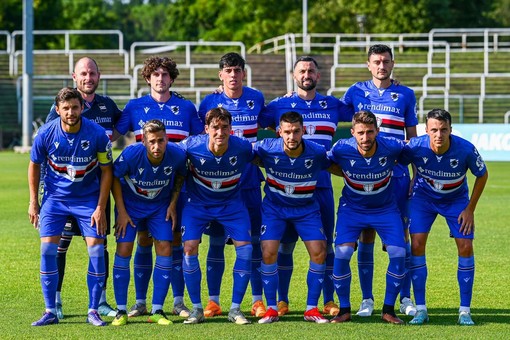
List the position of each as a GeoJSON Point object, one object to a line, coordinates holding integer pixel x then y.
{"type": "Point", "coordinates": [241, 272]}
{"type": "Point", "coordinates": [465, 277]}
{"type": "Point", "coordinates": [177, 276]}
{"type": "Point", "coordinates": [419, 278]}
{"type": "Point", "coordinates": [405, 288]}
{"type": "Point", "coordinates": [269, 274]}
{"type": "Point", "coordinates": [395, 273]}
{"type": "Point", "coordinates": [96, 274]}
{"type": "Point", "coordinates": [192, 277]}
{"type": "Point", "coordinates": [315, 281]}
{"type": "Point", "coordinates": [121, 278]}
{"type": "Point", "coordinates": [256, 279]}
{"type": "Point", "coordinates": [49, 273]}
{"type": "Point", "coordinates": [285, 267]}
{"type": "Point", "coordinates": [328, 290]}
{"type": "Point", "coordinates": [215, 264]}
{"type": "Point", "coordinates": [366, 268]}
{"type": "Point", "coordinates": [142, 270]}
{"type": "Point", "coordinates": [342, 275]}
{"type": "Point", "coordinates": [161, 277]}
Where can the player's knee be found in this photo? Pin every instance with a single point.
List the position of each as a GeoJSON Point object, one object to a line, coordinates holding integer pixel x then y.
{"type": "Point", "coordinates": [96, 250]}
{"type": "Point", "coordinates": [49, 249]}
{"type": "Point", "coordinates": [394, 251]}
{"type": "Point", "coordinates": [287, 248]}
{"type": "Point", "coordinates": [465, 247]}
{"type": "Point", "coordinates": [343, 252]}
{"type": "Point", "coordinates": [244, 252]}
{"type": "Point", "coordinates": [144, 239]}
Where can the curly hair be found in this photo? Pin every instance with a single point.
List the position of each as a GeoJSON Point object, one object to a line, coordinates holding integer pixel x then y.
{"type": "Point", "coordinates": [151, 64]}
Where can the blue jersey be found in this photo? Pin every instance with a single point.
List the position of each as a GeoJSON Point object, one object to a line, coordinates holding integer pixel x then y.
{"type": "Point", "coordinates": [394, 107]}
{"type": "Point", "coordinates": [214, 180]}
{"type": "Point", "coordinates": [143, 183]}
{"type": "Point", "coordinates": [367, 181]}
{"type": "Point", "coordinates": [101, 110]}
{"type": "Point", "coordinates": [245, 111]}
{"type": "Point", "coordinates": [321, 116]}
{"type": "Point", "coordinates": [178, 114]}
{"type": "Point", "coordinates": [291, 181]}
{"type": "Point", "coordinates": [443, 177]}
{"type": "Point", "coordinates": [72, 159]}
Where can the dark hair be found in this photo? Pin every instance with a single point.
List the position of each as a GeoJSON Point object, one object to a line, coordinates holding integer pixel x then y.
{"type": "Point", "coordinates": [217, 113]}
{"type": "Point", "coordinates": [379, 49]}
{"type": "Point", "coordinates": [439, 114]}
{"type": "Point", "coordinates": [87, 58]}
{"type": "Point", "coordinates": [68, 93]}
{"type": "Point", "coordinates": [151, 64]}
{"type": "Point", "coordinates": [364, 117]}
{"type": "Point", "coordinates": [152, 126]}
{"type": "Point", "coordinates": [306, 58]}
{"type": "Point", "coordinates": [291, 117]}
{"type": "Point", "coordinates": [232, 59]}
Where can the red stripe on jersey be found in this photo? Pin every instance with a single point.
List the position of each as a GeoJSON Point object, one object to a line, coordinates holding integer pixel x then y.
{"type": "Point", "coordinates": [297, 189]}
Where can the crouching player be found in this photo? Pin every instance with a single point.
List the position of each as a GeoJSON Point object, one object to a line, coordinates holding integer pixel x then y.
{"type": "Point", "coordinates": [367, 201]}
{"type": "Point", "coordinates": [292, 165]}
{"type": "Point", "coordinates": [442, 161]}
{"type": "Point", "coordinates": [148, 177]}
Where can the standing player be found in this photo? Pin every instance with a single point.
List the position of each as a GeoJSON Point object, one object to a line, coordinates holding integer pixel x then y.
{"type": "Point", "coordinates": [293, 166]}
{"type": "Point", "coordinates": [103, 111]}
{"type": "Point", "coordinates": [216, 162]}
{"type": "Point", "coordinates": [442, 161]}
{"type": "Point", "coordinates": [367, 162]}
{"type": "Point", "coordinates": [321, 115]}
{"type": "Point", "coordinates": [244, 104]}
{"type": "Point", "coordinates": [395, 109]}
{"type": "Point", "coordinates": [180, 118]}
{"type": "Point", "coordinates": [74, 148]}
{"type": "Point", "coordinates": [148, 179]}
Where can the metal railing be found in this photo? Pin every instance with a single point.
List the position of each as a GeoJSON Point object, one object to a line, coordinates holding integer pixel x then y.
{"type": "Point", "coordinates": [7, 42]}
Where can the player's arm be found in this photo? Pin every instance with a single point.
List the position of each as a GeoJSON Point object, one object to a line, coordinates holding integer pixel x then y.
{"type": "Point", "coordinates": [335, 169]}
{"type": "Point", "coordinates": [171, 212]}
{"type": "Point", "coordinates": [122, 218]}
{"type": "Point", "coordinates": [467, 216]}
{"type": "Point", "coordinates": [105, 184]}
{"type": "Point", "coordinates": [34, 175]}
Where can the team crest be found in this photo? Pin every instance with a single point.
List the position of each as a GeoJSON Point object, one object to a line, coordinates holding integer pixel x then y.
{"type": "Point", "coordinates": [183, 230]}
{"type": "Point", "coordinates": [308, 163]}
{"type": "Point", "coordinates": [383, 161]}
{"type": "Point", "coordinates": [102, 107]}
{"type": "Point", "coordinates": [394, 96]}
{"type": "Point", "coordinates": [310, 129]}
{"type": "Point", "coordinates": [71, 172]}
{"type": "Point", "coordinates": [368, 187]}
{"type": "Point", "coordinates": [174, 109]}
{"type": "Point", "coordinates": [233, 160]}
{"type": "Point", "coordinates": [480, 163]}
{"type": "Point", "coordinates": [85, 145]}
{"type": "Point", "coordinates": [216, 185]}
{"type": "Point", "coordinates": [438, 185]}
{"type": "Point", "coordinates": [238, 132]}
{"type": "Point", "coordinates": [167, 170]}
{"type": "Point", "coordinates": [289, 189]}
{"type": "Point", "coordinates": [454, 163]}
{"type": "Point", "coordinates": [251, 104]}
{"type": "Point", "coordinates": [263, 229]}
{"type": "Point", "coordinates": [323, 104]}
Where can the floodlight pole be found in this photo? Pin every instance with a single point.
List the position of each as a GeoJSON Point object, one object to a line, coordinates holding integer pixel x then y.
{"type": "Point", "coordinates": [28, 46]}
{"type": "Point", "coordinates": [306, 42]}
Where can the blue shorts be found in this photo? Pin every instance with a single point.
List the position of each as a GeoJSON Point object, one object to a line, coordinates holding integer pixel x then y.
{"type": "Point", "coordinates": [148, 217]}
{"type": "Point", "coordinates": [423, 212]}
{"type": "Point", "coordinates": [386, 222]}
{"type": "Point", "coordinates": [326, 200]}
{"type": "Point", "coordinates": [72, 229]}
{"type": "Point", "coordinates": [54, 215]}
{"type": "Point", "coordinates": [306, 221]}
{"type": "Point", "coordinates": [252, 200]}
{"type": "Point", "coordinates": [232, 216]}
{"type": "Point", "coordinates": [401, 192]}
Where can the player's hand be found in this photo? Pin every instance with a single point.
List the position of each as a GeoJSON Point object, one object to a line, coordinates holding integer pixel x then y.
{"type": "Point", "coordinates": [98, 219]}
{"type": "Point", "coordinates": [121, 223]}
{"type": "Point", "coordinates": [171, 213]}
{"type": "Point", "coordinates": [218, 90]}
{"type": "Point", "coordinates": [33, 213]}
{"type": "Point", "coordinates": [466, 220]}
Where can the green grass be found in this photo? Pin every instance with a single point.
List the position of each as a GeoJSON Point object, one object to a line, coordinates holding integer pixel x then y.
{"type": "Point", "coordinates": [21, 298]}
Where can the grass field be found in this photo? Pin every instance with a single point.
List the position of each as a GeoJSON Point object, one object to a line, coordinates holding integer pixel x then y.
{"type": "Point", "coordinates": [21, 299]}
